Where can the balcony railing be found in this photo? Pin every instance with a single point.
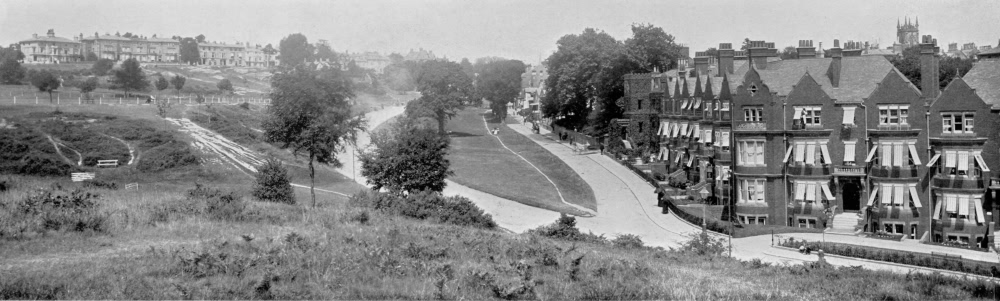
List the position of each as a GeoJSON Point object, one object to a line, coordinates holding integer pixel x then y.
{"type": "Point", "coordinates": [751, 126]}
{"type": "Point", "coordinates": [894, 127]}
{"type": "Point", "coordinates": [849, 170]}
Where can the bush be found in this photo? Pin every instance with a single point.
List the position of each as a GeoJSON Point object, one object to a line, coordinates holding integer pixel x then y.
{"type": "Point", "coordinates": [245, 106]}
{"type": "Point", "coordinates": [100, 184]}
{"type": "Point", "coordinates": [221, 205]}
{"type": "Point", "coordinates": [426, 205]}
{"type": "Point", "coordinates": [273, 183]}
{"type": "Point", "coordinates": [175, 154]}
{"type": "Point", "coordinates": [703, 244]}
{"type": "Point", "coordinates": [565, 228]}
{"type": "Point", "coordinates": [24, 151]}
{"type": "Point", "coordinates": [627, 241]}
{"type": "Point", "coordinates": [901, 257]}
{"type": "Point", "coordinates": [44, 210]}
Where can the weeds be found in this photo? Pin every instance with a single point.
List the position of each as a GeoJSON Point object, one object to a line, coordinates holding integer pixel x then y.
{"type": "Point", "coordinates": [426, 205]}
{"type": "Point", "coordinates": [44, 210]}
{"type": "Point", "coordinates": [565, 228]}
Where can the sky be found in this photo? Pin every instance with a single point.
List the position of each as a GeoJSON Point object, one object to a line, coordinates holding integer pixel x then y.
{"type": "Point", "coordinates": [515, 29]}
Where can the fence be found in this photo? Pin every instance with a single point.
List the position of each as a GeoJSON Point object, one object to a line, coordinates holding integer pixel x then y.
{"type": "Point", "coordinates": [576, 136]}
{"type": "Point", "coordinates": [29, 96]}
{"type": "Point", "coordinates": [132, 186]}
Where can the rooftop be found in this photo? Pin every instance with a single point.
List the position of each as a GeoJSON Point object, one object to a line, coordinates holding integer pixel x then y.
{"type": "Point", "coordinates": [985, 78]}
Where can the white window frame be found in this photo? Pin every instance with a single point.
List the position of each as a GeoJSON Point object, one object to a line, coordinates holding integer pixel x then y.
{"type": "Point", "coordinates": [753, 113]}
{"type": "Point", "coordinates": [893, 114]}
{"type": "Point", "coordinates": [957, 122]}
{"type": "Point", "coordinates": [811, 115]}
{"type": "Point", "coordinates": [752, 190]}
{"type": "Point", "coordinates": [751, 152]}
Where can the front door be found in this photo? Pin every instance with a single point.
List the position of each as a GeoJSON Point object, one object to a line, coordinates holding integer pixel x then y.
{"type": "Point", "coordinates": [851, 195]}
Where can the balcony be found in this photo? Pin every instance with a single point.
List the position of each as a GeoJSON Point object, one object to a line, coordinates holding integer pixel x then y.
{"type": "Point", "coordinates": [751, 126]}
{"type": "Point", "coordinates": [894, 127]}
{"type": "Point", "coordinates": [849, 171]}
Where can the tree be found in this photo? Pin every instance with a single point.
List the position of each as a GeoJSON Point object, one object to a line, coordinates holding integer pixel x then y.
{"type": "Point", "coordinates": [395, 58]}
{"type": "Point", "coordinates": [11, 72]}
{"type": "Point", "coordinates": [398, 78]}
{"type": "Point", "coordinates": [294, 50]}
{"type": "Point", "coordinates": [130, 77]}
{"type": "Point", "coordinates": [89, 85]}
{"type": "Point", "coordinates": [909, 65]}
{"type": "Point", "coordinates": [102, 66]}
{"type": "Point", "coordinates": [273, 183]}
{"type": "Point", "coordinates": [162, 84]}
{"type": "Point", "coordinates": [269, 50]}
{"type": "Point", "coordinates": [406, 158]}
{"type": "Point", "coordinates": [789, 53]}
{"type": "Point", "coordinates": [11, 53]}
{"type": "Point", "coordinates": [189, 51]}
{"type": "Point", "coordinates": [650, 47]}
{"type": "Point", "coordinates": [324, 52]}
{"type": "Point", "coordinates": [91, 56]}
{"type": "Point", "coordinates": [45, 81]}
{"type": "Point", "coordinates": [225, 85]}
{"type": "Point", "coordinates": [200, 38]}
{"type": "Point", "coordinates": [310, 115]}
{"type": "Point", "coordinates": [585, 74]}
{"type": "Point", "coordinates": [468, 68]}
{"type": "Point", "coordinates": [499, 83]}
{"type": "Point", "coordinates": [444, 89]}
{"type": "Point", "coordinates": [178, 82]}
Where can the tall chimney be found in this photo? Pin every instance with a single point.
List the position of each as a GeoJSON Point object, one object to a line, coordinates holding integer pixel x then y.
{"type": "Point", "coordinates": [836, 54]}
{"type": "Point", "coordinates": [725, 58]}
{"type": "Point", "coordinates": [740, 55]}
{"type": "Point", "coordinates": [701, 63]}
{"type": "Point", "coordinates": [806, 49]}
{"type": "Point", "coordinates": [929, 82]}
{"type": "Point", "coordinates": [759, 51]}
{"type": "Point", "coordinates": [852, 48]}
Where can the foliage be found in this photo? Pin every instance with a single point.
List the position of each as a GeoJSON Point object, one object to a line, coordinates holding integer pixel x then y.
{"type": "Point", "coordinates": [26, 152]}
{"type": "Point", "coordinates": [162, 84]}
{"type": "Point", "coordinates": [221, 205]}
{"type": "Point", "coordinates": [426, 205]}
{"type": "Point", "coordinates": [295, 50]}
{"type": "Point", "coordinates": [245, 105]}
{"type": "Point", "coordinates": [89, 85]}
{"type": "Point", "coordinates": [584, 73]}
{"type": "Point", "coordinates": [91, 145]}
{"type": "Point", "coordinates": [909, 64]}
{"type": "Point", "coordinates": [225, 85]}
{"type": "Point", "coordinates": [894, 256]}
{"type": "Point", "coordinates": [178, 82]}
{"type": "Point", "coordinates": [703, 244]}
{"type": "Point", "coordinates": [499, 82]}
{"type": "Point", "coordinates": [444, 88]}
{"type": "Point", "coordinates": [102, 66]}
{"type": "Point", "coordinates": [162, 108]}
{"type": "Point", "coordinates": [628, 241]}
{"type": "Point", "coordinates": [406, 158]}
{"type": "Point", "coordinates": [58, 210]}
{"type": "Point", "coordinates": [398, 77]}
{"type": "Point", "coordinates": [130, 77]}
{"type": "Point", "coordinates": [46, 82]}
{"type": "Point", "coordinates": [11, 72]}
{"type": "Point", "coordinates": [651, 48]}
{"type": "Point", "coordinates": [309, 114]}
{"type": "Point", "coordinates": [273, 184]}
{"type": "Point", "coordinates": [189, 51]}
{"type": "Point", "coordinates": [789, 53]}
{"type": "Point", "coordinates": [324, 52]}
{"type": "Point", "coordinates": [565, 228]}
{"type": "Point", "coordinates": [171, 155]}
{"type": "Point", "coordinates": [91, 57]}
{"type": "Point", "coordinates": [11, 53]}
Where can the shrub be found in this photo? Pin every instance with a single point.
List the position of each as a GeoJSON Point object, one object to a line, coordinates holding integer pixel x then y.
{"type": "Point", "coordinates": [273, 183]}
{"type": "Point", "coordinates": [703, 244]}
{"type": "Point", "coordinates": [627, 241]}
{"type": "Point", "coordinates": [427, 205]}
{"type": "Point", "coordinates": [174, 154]}
{"type": "Point", "coordinates": [565, 228]}
{"type": "Point", "coordinates": [221, 205]}
{"type": "Point", "coordinates": [24, 151]}
{"type": "Point", "coordinates": [245, 106]}
{"type": "Point", "coordinates": [101, 184]}
{"type": "Point", "coordinates": [58, 210]}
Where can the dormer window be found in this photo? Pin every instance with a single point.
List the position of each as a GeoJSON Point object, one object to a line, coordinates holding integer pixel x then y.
{"type": "Point", "coordinates": [957, 122]}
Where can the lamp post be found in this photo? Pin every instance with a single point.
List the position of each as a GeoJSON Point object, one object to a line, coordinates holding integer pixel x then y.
{"type": "Point", "coordinates": [704, 198]}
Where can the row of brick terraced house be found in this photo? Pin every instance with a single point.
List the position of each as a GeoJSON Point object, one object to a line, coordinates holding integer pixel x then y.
{"type": "Point", "coordinates": [50, 49]}
{"type": "Point", "coordinates": [844, 137]}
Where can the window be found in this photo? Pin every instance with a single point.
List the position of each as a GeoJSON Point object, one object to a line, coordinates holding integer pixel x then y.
{"type": "Point", "coordinates": [640, 128]}
{"type": "Point", "coordinates": [897, 154]}
{"type": "Point", "coordinates": [754, 114]}
{"type": "Point", "coordinates": [894, 228]}
{"type": "Point", "coordinates": [752, 89]}
{"type": "Point", "coordinates": [751, 152]}
{"type": "Point", "coordinates": [812, 191]}
{"type": "Point", "coordinates": [807, 222]}
{"type": "Point", "coordinates": [893, 114]}
{"type": "Point", "coordinates": [810, 116]}
{"type": "Point", "coordinates": [957, 122]}
{"type": "Point", "coordinates": [639, 106]}
{"type": "Point", "coordinates": [849, 152]}
{"type": "Point", "coordinates": [752, 219]}
{"type": "Point", "coordinates": [899, 194]}
{"type": "Point", "coordinates": [752, 191]}
{"type": "Point", "coordinates": [961, 206]}
{"type": "Point", "coordinates": [811, 152]}
{"type": "Point", "coordinates": [724, 140]}
{"type": "Point", "coordinates": [960, 162]}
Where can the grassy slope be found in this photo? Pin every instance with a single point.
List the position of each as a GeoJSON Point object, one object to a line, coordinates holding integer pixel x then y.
{"type": "Point", "coordinates": [479, 161]}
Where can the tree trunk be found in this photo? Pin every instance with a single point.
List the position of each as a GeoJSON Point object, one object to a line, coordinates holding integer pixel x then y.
{"type": "Point", "coordinates": [440, 119]}
{"type": "Point", "coordinates": [50, 97]}
{"type": "Point", "coordinates": [312, 179]}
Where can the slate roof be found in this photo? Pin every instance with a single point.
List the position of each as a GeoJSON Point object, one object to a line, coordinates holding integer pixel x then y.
{"type": "Point", "coordinates": [107, 37]}
{"type": "Point", "coordinates": [995, 52]}
{"type": "Point", "coordinates": [858, 75]}
{"type": "Point", "coordinates": [985, 78]}
{"type": "Point", "coordinates": [41, 38]}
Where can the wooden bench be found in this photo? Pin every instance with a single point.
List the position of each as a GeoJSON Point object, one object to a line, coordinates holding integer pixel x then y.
{"type": "Point", "coordinates": [946, 256]}
{"type": "Point", "coordinates": [132, 186]}
{"type": "Point", "coordinates": [82, 176]}
{"type": "Point", "coordinates": [104, 163]}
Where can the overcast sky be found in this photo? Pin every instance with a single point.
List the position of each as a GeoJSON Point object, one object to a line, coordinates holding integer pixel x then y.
{"type": "Point", "coordinates": [525, 30]}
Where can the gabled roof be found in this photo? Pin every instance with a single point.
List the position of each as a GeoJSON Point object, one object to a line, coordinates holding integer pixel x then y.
{"type": "Point", "coordinates": [858, 75]}
{"type": "Point", "coordinates": [991, 52]}
{"type": "Point", "coordinates": [985, 78]}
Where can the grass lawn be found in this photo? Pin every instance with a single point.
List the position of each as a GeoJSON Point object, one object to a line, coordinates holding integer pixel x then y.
{"type": "Point", "coordinates": [480, 162]}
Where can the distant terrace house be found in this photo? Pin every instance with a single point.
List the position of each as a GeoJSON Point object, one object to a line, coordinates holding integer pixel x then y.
{"type": "Point", "coordinates": [794, 142]}
{"type": "Point", "coordinates": [119, 48]}
{"type": "Point", "coordinates": [50, 49]}
{"type": "Point", "coordinates": [533, 87]}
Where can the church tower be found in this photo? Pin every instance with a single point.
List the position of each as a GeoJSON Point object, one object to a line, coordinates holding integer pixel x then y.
{"type": "Point", "coordinates": [908, 34]}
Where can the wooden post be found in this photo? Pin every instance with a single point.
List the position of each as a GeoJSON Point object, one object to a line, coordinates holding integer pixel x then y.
{"type": "Point", "coordinates": [15, 99]}
{"type": "Point", "coordinates": [79, 100]}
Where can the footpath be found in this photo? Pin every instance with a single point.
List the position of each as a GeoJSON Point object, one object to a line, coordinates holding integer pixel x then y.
{"type": "Point", "coordinates": [627, 204]}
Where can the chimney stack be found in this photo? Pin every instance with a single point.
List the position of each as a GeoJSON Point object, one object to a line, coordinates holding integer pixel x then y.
{"type": "Point", "coordinates": [725, 58]}
{"type": "Point", "coordinates": [929, 81]}
{"type": "Point", "coordinates": [51, 33]}
{"type": "Point", "coordinates": [740, 55]}
{"type": "Point", "coordinates": [806, 49]}
{"type": "Point", "coordinates": [34, 36]}
{"type": "Point", "coordinates": [836, 54]}
{"type": "Point", "coordinates": [701, 61]}
{"type": "Point", "coordinates": [759, 51]}
{"type": "Point", "coordinates": [852, 48]}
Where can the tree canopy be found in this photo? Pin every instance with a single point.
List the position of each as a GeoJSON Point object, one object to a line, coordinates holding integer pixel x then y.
{"type": "Point", "coordinates": [295, 50]}
{"type": "Point", "coordinates": [11, 72]}
{"type": "Point", "coordinates": [499, 82]}
{"type": "Point", "coordinates": [310, 115]}
{"type": "Point", "coordinates": [650, 47]}
{"type": "Point", "coordinates": [162, 84]}
{"type": "Point", "coordinates": [324, 52]}
{"type": "Point", "coordinates": [189, 51]}
{"type": "Point", "coordinates": [102, 66]}
{"type": "Point", "coordinates": [89, 85]}
{"type": "Point", "coordinates": [948, 69]}
{"type": "Point", "coordinates": [178, 82]}
{"type": "Point", "coordinates": [445, 89]}
{"type": "Point", "coordinates": [407, 158]}
{"type": "Point", "coordinates": [789, 53]}
{"type": "Point", "coordinates": [225, 85]}
{"type": "Point", "coordinates": [130, 77]}
{"type": "Point", "coordinates": [45, 81]}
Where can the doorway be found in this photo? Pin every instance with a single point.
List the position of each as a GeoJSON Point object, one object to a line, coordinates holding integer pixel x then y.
{"type": "Point", "coordinates": [851, 192]}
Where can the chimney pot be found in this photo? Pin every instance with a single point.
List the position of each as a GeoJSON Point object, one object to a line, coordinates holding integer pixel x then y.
{"type": "Point", "coordinates": [836, 43]}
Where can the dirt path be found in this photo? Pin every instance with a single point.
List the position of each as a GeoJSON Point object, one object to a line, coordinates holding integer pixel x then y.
{"type": "Point", "coordinates": [131, 152]}
{"type": "Point", "coordinates": [56, 145]}
{"type": "Point", "coordinates": [208, 141]}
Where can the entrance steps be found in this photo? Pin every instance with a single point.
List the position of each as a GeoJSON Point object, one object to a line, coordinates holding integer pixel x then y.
{"type": "Point", "coordinates": [844, 223]}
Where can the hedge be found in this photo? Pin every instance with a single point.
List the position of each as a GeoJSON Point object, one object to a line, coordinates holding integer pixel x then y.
{"type": "Point", "coordinates": [900, 257]}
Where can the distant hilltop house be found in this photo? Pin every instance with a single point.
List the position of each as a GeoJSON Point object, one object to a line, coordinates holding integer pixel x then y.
{"type": "Point", "coordinates": [367, 60]}
{"type": "Point", "coordinates": [51, 49]}
{"type": "Point", "coordinates": [419, 55]}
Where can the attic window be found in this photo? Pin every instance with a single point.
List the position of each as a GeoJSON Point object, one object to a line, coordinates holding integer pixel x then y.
{"type": "Point", "coordinates": [753, 89]}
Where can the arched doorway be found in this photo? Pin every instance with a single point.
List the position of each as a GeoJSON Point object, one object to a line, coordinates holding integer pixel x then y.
{"type": "Point", "coordinates": [851, 192]}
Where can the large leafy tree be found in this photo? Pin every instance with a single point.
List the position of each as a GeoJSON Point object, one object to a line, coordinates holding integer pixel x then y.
{"type": "Point", "coordinates": [310, 115]}
{"type": "Point", "coordinates": [189, 51]}
{"type": "Point", "coordinates": [11, 72]}
{"type": "Point", "coordinates": [130, 77]}
{"type": "Point", "coordinates": [162, 84]}
{"type": "Point", "coordinates": [45, 81]}
{"type": "Point", "coordinates": [444, 88]}
{"type": "Point", "coordinates": [11, 53]}
{"type": "Point", "coordinates": [102, 66]}
{"type": "Point", "coordinates": [577, 70]}
{"type": "Point", "coordinates": [499, 82]}
{"type": "Point", "coordinates": [407, 158]}
{"type": "Point", "coordinates": [225, 85]}
{"type": "Point", "coordinates": [295, 50]}
{"type": "Point", "coordinates": [949, 67]}
{"type": "Point", "coordinates": [650, 47]}
{"type": "Point", "coordinates": [178, 82]}
{"type": "Point", "coordinates": [324, 52]}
